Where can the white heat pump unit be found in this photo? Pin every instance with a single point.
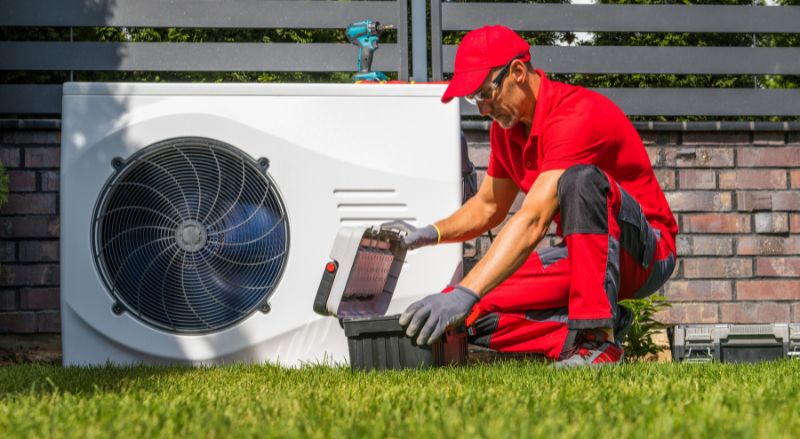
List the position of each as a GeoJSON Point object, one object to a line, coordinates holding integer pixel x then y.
{"type": "Point", "coordinates": [197, 219]}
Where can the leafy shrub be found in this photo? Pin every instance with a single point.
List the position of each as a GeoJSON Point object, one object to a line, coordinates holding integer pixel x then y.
{"type": "Point", "coordinates": [639, 343]}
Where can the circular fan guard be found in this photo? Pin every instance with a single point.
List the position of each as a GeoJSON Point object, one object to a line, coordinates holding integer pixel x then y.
{"type": "Point", "coordinates": [190, 235]}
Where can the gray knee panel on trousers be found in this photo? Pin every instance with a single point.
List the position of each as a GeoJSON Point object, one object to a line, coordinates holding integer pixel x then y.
{"type": "Point", "coordinates": [582, 191]}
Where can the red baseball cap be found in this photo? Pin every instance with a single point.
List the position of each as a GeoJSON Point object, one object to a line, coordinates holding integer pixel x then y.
{"type": "Point", "coordinates": [480, 51]}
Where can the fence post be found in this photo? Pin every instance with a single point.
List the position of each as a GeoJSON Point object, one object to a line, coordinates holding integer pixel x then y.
{"type": "Point", "coordinates": [419, 43]}
{"type": "Point", "coordinates": [436, 39]}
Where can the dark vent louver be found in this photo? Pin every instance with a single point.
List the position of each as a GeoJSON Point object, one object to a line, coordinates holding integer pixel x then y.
{"type": "Point", "coordinates": [190, 235]}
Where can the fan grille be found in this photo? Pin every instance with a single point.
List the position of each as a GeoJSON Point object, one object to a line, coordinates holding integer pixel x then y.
{"type": "Point", "coordinates": [190, 235]}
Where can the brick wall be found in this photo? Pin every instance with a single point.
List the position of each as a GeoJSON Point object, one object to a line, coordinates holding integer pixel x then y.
{"type": "Point", "coordinates": [733, 188]}
{"type": "Point", "coordinates": [29, 228]}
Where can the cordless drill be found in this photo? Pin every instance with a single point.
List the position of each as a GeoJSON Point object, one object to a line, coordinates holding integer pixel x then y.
{"type": "Point", "coordinates": [364, 34]}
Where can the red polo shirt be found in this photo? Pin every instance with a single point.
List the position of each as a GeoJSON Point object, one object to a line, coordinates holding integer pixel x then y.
{"type": "Point", "coordinates": [573, 125]}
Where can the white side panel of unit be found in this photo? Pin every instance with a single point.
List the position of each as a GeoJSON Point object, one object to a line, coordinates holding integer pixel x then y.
{"type": "Point", "coordinates": [335, 159]}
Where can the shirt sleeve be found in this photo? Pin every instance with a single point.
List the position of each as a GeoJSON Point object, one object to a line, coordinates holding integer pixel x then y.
{"type": "Point", "coordinates": [568, 142]}
{"type": "Point", "coordinates": [496, 169]}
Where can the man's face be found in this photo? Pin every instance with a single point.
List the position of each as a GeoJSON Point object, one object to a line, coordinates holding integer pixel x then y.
{"type": "Point", "coordinates": [498, 97]}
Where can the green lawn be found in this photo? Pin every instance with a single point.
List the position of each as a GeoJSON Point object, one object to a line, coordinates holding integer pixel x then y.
{"type": "Point", "coordinates": [504, 399]}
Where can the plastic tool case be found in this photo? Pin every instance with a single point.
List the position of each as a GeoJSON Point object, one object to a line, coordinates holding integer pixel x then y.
{"type": "Point", "coordinates": [357, 287]}
{"type": "Point", "coordinates": [735, 343]}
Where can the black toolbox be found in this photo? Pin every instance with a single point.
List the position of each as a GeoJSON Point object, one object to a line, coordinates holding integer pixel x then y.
{"type": "Point", "coordinates": [357, 287]}
{"type": "Point", "coordinates": [379, 342]}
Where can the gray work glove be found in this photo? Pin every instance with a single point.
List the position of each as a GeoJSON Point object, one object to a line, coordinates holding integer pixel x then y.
{"type": "Point", "coordinates": [428, 317]}
{"type": "Point", "coordinates": [414, 238]}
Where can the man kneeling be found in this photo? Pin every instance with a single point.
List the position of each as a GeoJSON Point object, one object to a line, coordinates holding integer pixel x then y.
{"type": "Point", "coordinates": [582, 164]}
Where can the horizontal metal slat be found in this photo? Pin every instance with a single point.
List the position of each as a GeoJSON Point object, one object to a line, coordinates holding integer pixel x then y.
{"type": "Point", "coordinates": [274, 57]}
{"type": "Point", "coordinates": [30, 99]}
{"type": "Point", "coordinates": [623, 18]}
{"type": "Point", "coordinates": [46, 99]}
{"type": "Point", "coordinates": [192, 13]}
{"type": "Point", "coordinates": [696, 102]}
{"type": "Point", "coordinates": [642, 59]}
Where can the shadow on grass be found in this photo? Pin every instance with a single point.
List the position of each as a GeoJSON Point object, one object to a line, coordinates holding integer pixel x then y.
{"type": "Point", "coordinates": [55, 379]}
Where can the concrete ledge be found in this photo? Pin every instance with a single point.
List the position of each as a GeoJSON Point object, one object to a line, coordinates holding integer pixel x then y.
{"type": "Point", "coordinates": [30, 124]}
{"type": "Point", "coordinates": [483, 125]}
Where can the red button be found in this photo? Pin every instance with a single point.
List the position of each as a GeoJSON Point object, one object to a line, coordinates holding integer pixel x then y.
{"type": "Point", "coordinates": [528, 164]}
{"type": "Point", "coordinates": [330, 267]}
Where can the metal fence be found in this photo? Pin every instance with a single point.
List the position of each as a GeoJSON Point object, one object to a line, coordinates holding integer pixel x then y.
{"type": "Point", "coordinates": [445, 17]}
{"type": "Point", "coordinates": [658, 60]}
{"type": "Point", "coordinates": [202, 57]}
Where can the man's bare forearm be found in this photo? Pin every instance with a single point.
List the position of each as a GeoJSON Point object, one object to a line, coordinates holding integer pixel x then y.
{"type": "Point", "coordinates": [519, 237]}
{"type": "Point", "coordinates": [470, 221]}
{"type": "Point", "coordinates": [510, 250]}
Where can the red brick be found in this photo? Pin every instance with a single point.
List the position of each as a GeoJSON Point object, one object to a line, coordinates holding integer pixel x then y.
{"type": "Point", "coordinates": [8, 251]}
{"type": "Point", "coordinates": [9, 156]}
{"type": "Point", "coordinates": [768, 245]}
{"type": "Point", "coordinates": [21, 181]}
{"type": "Point", "coordinates": [723, 268]}
{"type": "Point", "coordinates": [753, 179]}
{"type": "Point", "coordinates": [50, 181]}
{"type": "Point", "coordinates": [786, 200]}
{"type": "Point", "coordinates": [768, 289]}
{"type": "Point", "coordinates": [697, 179]}
{"type": "Point", "coordinates": [38, 251]}
{"type": "Point", "coordinates": [700, 245]}
{"type": "Point", "coordinates": [777, 157]}
{"type": "Point", "coordinates": [796, 313]}
{"type": "Point", "coordinates": [716, 223]}
{"type": "Point", "coordinates": [794, 223]}
{"type": "Point", "coordinates": [778, 267]}
{"type": "Point", "coordinates": [699, 201]}
{"type": "Point", "coordinates": [39, 298]}
{"type": "Point", "coordinates": [21, 204]}
{"type": "Point", "coordinates": [8, 300]}
{"type": "Point", "coordinates": [698, 290]}
{"type": "Point", "coordinates": [42, 157]}
{"type": "Point", "coordinates": [715, 137]}
{"type": "Point", "coordinates": [769, 138]}
{"type": "Point", "coordinates": [699, 157]}
{"type": "Point", "coordinates": [29, 227]}
{"type": "Point", "coordinates": [795, 177]}
{"type": "Point", "coordinates": [654, 154]}
{"type": "Point", "coordinates": [666, 179]}
{"type": "Point", "coordinates": [17, 323]}
{"type": "Point", "coordinates": [747, 201]}
{"type": "Point", "coordinates": [31, 137]}
{"type": "Point", "coordinates": [29, 275]}
{"type": "Point", "coordinates": [689, 313]}
{"type": "Point", "coordinates": [771, 223]}
{"type": "Point", "coordinates": [479, 156]}
{"type": "Point", "coordinates": [749, 312]}
{"type": "Point", "coordinates": [48, 322]}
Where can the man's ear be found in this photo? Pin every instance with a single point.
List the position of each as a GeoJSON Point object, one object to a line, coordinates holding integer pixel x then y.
{"type": "Point", "coordinates": [519, 71]}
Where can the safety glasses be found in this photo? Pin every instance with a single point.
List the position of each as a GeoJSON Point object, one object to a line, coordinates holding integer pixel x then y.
{"type": "Point", "coordinates": [483, 95]}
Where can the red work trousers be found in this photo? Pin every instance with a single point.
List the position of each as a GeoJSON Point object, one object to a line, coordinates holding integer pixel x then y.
{"type": "Point", "coordinates": [610, 251]}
